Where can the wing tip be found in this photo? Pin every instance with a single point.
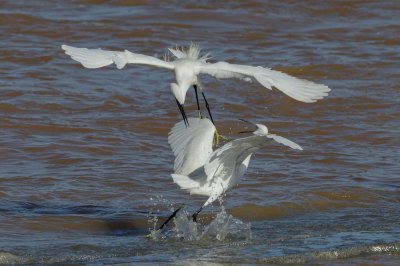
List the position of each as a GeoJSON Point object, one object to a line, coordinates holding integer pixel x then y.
{"type": "Point", "coordinates": [297, 88]}
{"type": "Point", "coordinates": [299, 147]}
{"type": "Point", "coordinates": [66, 47]}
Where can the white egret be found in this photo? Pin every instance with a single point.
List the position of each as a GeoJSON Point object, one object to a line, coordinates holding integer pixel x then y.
{"type": "Point", "coordinates": [189, 64]}
{"type": "Point", "coordinates": [202, 171]}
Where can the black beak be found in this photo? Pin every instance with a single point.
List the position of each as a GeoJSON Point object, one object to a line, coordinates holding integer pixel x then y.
{"type": "Point", "coordinates": [248, 131]}
{"type": "Point", "coordinates": [248, 122]}
{"type": "Point", "coordinates": [182, 110]}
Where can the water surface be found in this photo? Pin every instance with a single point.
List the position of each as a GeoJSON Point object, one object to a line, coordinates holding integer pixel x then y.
{"type": "Point", "coordinates": [85, 164]}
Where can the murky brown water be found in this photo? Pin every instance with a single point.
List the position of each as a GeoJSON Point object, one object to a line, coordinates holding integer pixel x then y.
{"type": "Point", "coordinates": [84, 155]}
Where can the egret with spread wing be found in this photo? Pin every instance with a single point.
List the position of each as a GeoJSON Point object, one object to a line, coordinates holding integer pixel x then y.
{"type": "Point", "coordinates": [189, 64]}
{"type": "Point", "coordinates": [202, 171]}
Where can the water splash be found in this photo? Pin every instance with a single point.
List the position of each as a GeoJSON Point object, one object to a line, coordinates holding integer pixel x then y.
{"type": "Point", "coordinates": [7, 258]}
{"type": "Point", "coordinates": [223, 227]}
{"type": "Point", "coordinates": [185, 228]}
{"type": "Point", "coordinates": [152, 217]}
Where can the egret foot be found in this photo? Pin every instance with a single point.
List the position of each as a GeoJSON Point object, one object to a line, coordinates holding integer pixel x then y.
{"type": "Point", "coordinates": [218, 137]}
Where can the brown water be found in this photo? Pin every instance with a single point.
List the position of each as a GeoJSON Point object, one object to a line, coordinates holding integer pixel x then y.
{"type": "Point", "coordinates": [84, 158]}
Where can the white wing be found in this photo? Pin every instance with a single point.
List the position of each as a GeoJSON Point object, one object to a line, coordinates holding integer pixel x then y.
{"type": "Point", "coordinates": [191, 145]}
{"type": "Point", "coordinates": [285, 141]}
{"type": "Point", "coordinates": [96, 58]}
{"type": "Point", "coordinates": [299, 89]}
{"type": "Point", "coordinates": [225, 161]}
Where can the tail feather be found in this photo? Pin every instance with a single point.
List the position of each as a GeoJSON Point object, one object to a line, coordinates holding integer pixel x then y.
{"type": "Point", "coordinates": [184, 181]}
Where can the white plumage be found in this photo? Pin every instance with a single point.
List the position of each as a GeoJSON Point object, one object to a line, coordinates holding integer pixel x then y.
{"type": "Point", "coordinates": [200, 170]}
{"type": "Point", "coordinates": [96, 58]}
{"type": "Point", "coordinates": [189, 64]}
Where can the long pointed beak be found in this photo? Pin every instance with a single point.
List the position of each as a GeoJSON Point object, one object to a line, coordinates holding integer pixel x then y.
{"type": "Point", "coordinates": [182, 110]}
{"type": "Point", "coordinates": [248, 122]}
{"type": "Point", "coordinates": [247, 131]}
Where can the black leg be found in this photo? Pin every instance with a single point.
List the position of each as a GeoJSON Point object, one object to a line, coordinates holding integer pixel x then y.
{"type": "Point", "coordinates": [208, 108]}
{"type": "Point", "coordinates": [180, 106]}
{"type": "Point", "coordinates": [197, 97]}
{"type": "Point", "coordinates": [194, 216]}
{"type": "Point", "coordinates": [169, 218]}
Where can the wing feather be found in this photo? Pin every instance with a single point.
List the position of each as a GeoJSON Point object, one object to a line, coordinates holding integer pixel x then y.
{"type": "Point", "coordinates": [96, 58]}
{"type": "Point", "coordinates": [223, 162]}
{"type": "Point", "coordinates": [299, 89]}
{"type": "Point", "coordinates": [185, 182]}
{"type": "Point", "coordinates": [285, 141]}
{"type": "Point", "coordinates": [191, 145]}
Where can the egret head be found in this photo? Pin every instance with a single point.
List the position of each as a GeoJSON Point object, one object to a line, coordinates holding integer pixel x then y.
{"type": "Point", "coordinates": [261, 130]}
{"type": "Point", "coordinates": [191, 52]}
{"type": "Point", "coordinates": [179, 94]}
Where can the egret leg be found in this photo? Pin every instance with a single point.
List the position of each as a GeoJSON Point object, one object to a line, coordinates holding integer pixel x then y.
{"type": "Point", "coordinates": [194, 216]}
{"type": "Point", "coordinates": [170, 217]}
{"type": "Point", "coordinates": [197, 100]}
{"type": "Point", "coordinates": [180, 106]}
{"type": "Point", "coordinates": [216, 135]}
{"type": "Point", "coordinates": [208, 108]}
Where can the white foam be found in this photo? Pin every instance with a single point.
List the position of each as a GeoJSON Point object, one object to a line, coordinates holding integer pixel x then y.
{"type": "Point", "coordinates": [223, 227]}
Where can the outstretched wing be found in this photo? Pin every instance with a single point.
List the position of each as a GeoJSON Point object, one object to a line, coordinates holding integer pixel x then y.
{"type": "Point", "coordinates": [224, 162]}
{"type": "Point", "coordinates": [191, 145]}
{"type": "Point", "coordinates": [96, 58]}
{"type": "Point", "coordinates": [299, 89]}
{"type": "Point", "coordinates": [285, 141]}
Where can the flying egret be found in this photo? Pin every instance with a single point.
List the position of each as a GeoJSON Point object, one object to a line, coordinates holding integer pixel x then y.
{"type": "Point", "coordinates": [189, 64]}
{"type": "Point", "coordinates": [202, 171]}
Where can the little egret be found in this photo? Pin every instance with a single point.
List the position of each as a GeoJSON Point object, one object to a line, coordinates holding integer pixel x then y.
{"type": "Point", "coordinates": [202, 171]}
{"type": "Point", "coordinates": [189, 64]}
